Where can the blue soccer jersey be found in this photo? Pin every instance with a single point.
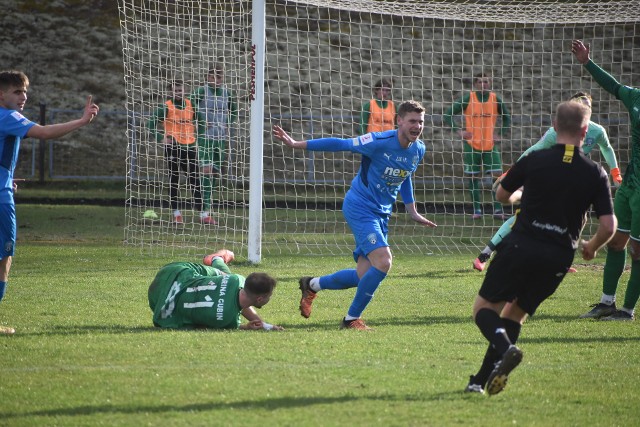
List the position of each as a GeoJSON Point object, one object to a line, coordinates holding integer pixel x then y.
{"type": "Point", "coordinates": [385, 170]}
{"type": "Point", "coordinates": [13, 127]}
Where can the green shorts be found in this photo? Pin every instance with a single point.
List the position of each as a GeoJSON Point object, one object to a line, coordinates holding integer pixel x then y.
{"type": "Point", "coordinates": [476, 161]}
{"type": "Point", "coordinates": [626, 206]}
{"type": "Point", "coordinates": [211, 152]}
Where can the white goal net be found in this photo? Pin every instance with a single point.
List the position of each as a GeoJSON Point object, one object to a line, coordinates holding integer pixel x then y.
{"type": "Point", "coordinates": [322, 61]}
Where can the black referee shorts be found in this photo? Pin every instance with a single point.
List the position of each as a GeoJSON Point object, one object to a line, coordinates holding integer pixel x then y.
{"type": "Point", "coordinates": [525, 269]}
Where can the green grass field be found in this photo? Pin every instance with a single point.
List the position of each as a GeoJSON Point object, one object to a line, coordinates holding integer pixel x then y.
{"type": "Point", "coordinates": [86, 354]}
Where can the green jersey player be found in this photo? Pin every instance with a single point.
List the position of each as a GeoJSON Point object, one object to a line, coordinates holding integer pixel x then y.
{"type": "Point", "coordinates": [596, 137]}
{"type": "Point", "coordinates": [626, 204]}
{"type": "Point", "coordinates": [186, 295]}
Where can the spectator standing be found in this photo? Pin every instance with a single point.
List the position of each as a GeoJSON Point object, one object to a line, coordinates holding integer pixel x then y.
{"type": "Point", "coordinates": [481, 108]}
{"type": "Point", "coordinates": [174, 125]}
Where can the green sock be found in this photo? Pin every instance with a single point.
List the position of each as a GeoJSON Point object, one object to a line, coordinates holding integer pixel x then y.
{"type": "Point", "coordinates": [207, 186]}
{"type": "Point", "coordinates": [633, 287]}
{"type": "Point", "coordinates": [613, 268]}
{"type": "Point", "coordinates": [475, 195]}
{"type": "Point", "coordinates": [497, 206]}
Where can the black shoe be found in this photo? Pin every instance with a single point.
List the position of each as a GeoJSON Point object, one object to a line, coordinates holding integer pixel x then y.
{"type": "Point", "coordinates": [498, 379]}
{"type": "Point", "coordinates": [619, 315]}
{"type": "Point", "coordinates": [473, 387]}
{"type": "Point", "coordinates": [599, 310]}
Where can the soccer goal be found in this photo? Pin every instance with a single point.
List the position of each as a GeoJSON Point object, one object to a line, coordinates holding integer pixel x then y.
{"type": "Point", "coordinates": [311, 65]}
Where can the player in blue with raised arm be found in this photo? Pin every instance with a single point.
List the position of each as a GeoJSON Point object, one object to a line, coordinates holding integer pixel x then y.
{"type": "Point", "coordinates": [596, 137]}
{"type": "Point", "coordinates": [388, 161]}
{"type": "Point", "coordinates": [13, 127]}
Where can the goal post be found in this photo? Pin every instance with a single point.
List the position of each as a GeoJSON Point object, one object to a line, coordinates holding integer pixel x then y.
{"type": "Point", "coordinates": [316, 67]}
{"type": "Point", "coordinates": [254, 234]}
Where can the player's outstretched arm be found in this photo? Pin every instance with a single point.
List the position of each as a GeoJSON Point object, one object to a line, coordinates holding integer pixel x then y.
{"type": "Point", "coordinates": [255, 322]}
{"type": "Point", "coordinates": [281, 135]}
{"type": "Point", "coordinates": [411, 210]}
{"type": "Point", "coordinates": [61, 129]}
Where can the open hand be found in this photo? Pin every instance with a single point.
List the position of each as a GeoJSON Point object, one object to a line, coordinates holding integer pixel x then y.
{"type": "Point", "coordinates": [580, 51]}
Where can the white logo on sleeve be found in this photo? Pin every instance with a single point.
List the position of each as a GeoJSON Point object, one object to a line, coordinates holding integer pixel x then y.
{"type": "Point", "coordinates": [365, 139]}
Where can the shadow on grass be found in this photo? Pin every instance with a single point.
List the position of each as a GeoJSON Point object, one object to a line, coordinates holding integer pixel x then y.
{"type": "Point", "coordinates": [243, 405]}
{"type": "Point", "coordinates": [381, 322]}
{"type": "Point", "coordinates": [89, 329]}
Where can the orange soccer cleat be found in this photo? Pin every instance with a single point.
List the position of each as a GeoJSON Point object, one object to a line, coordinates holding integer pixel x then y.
{"type": "Point", "coordinates": [355, 324]}
{"type": "Point", "coordinates": [308, 295]}
{"type": "Point", "coordinates": [226, 255]}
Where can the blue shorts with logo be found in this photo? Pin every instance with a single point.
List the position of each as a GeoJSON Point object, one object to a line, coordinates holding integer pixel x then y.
{"type": "Point", "coordinates": [369, 230]}
{"type": "Point", "coordinates": [7, 229]}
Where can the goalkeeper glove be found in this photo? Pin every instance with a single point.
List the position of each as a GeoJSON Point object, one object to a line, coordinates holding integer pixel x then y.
{"type": "Point", "coordinates": [498, 180]}
{"type": "Point", "coordinates": [615, 174]}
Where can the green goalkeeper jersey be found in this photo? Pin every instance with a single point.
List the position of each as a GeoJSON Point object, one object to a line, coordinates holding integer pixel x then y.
{"type": "Point", "coordinates": [630, 97]}
{"type": "Point", "coordinates": [596, 137]}
{"type": "Point", "coordinates": [185, 295]}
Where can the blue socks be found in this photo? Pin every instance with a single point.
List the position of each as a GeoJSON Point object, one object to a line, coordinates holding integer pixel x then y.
{"type": "Point", "coordinates": [366, 288]}
{"type": "Point", "coordinates": [343, 279]}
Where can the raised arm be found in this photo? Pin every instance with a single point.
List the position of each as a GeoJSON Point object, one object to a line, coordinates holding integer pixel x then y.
{"type": "Point", "coordinates": [581, 52]}
{"type": "Point", "coordinates": [61, 129]}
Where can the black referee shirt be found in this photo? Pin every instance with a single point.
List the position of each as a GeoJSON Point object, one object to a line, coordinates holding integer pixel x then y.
{"type": "Point", "coordinates": [560, 184]}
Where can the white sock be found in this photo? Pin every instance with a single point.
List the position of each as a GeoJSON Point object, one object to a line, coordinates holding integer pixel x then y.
{"type": "Point", "coordinates": [348, 318]}
{"type": "Point", "coordinates": [176, 213]}
{"type": "Point", "coordinates": [204, 214]}
{"type": "Point", "coordinates": [627, 310]}
{"type": "Point", "coordinates": [608, 299]}
{"type": "Point", "coordinates": [314, 284]}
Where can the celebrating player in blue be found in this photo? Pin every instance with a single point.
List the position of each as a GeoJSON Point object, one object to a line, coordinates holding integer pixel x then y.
{"type": "Point", "coordinates": [13, 127]}
{"type": "Point", "coordinates": [388, 160]}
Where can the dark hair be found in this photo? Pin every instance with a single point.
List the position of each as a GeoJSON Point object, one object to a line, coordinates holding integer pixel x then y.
{"type": "Point", "coordinates": [216, 68]}
{"type": "Point", "coordinates": [581, 94]}
{"type": "Point", "coordinates": [410, 106]}
{"type": "Point", "coordinates": [259, 284]}
{"type": "Point", "coordinates": [571, 117]}
{"type": "Point", "coordinates": [383, 83]}
{"type": "Point", "coordinates": [173, 83]}
{"type": "Point", "coordinates": [13, 78]}
{"type": "Point", "coordinates": [481, 76]}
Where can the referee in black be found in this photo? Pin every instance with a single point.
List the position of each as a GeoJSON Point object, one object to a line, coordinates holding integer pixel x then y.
{"type": "Point", "coordinates": [555, 187]}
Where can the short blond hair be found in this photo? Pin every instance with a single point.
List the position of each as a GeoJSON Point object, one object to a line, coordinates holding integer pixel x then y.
{"type": "Point", "coordinates": [571, 117]}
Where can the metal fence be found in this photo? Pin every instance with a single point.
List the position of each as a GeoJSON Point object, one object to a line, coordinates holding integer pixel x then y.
{"type": "Point", "coordinates": [97, 151]}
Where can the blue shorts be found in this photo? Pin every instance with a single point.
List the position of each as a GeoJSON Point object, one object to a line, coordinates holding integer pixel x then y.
{"type": "Point", "coordinates": [7, 229]}
{"type": "Point", "coordinates": [369, 230]}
